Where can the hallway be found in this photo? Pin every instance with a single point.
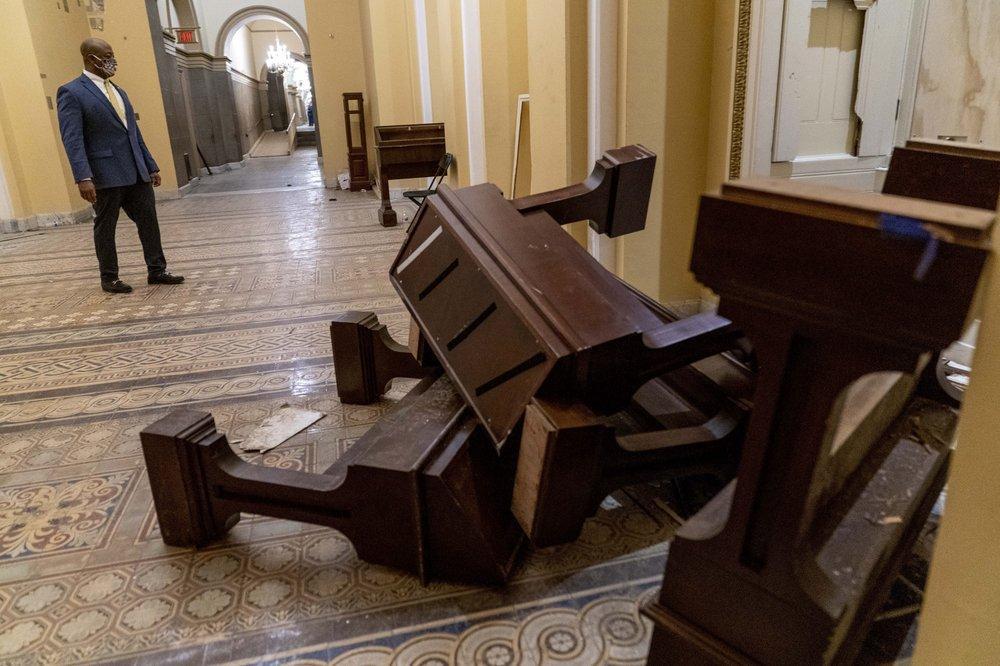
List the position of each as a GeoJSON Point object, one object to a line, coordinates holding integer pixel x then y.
{"type": "Point", "coordinates": [300, 170]}
{"type": "Point", "coordinates": [84, 575]}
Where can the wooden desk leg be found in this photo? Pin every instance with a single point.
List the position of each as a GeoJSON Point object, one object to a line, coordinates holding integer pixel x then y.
{"type": "Point", "coordinates": [176, 449]}
{"type": "Point", "coordinates": [366, 358]}
{"type": "Point", "coordinates": [386, 213]}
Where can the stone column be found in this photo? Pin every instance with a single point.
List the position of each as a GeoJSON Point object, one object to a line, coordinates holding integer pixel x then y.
{"type": "Point", "coordinates": [213, 106]}
{"type": "Point", "coordinates": [182, 145]}
{"type": "Point", "coordinates": [312, 82]}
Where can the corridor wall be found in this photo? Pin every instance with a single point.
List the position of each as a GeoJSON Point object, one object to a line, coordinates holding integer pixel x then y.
{"type": "Point", "coordinates": [338, 66]}
{"type": "Point", "coordinates": [39, 53]}
{"type": "Point", "coordinates": [505, 75]}
{"type": "Point", "coordinates": [958, 93]}
{"type": "Point", "coordinates": [676, 68]}
{"type": "Point", "coordinates": [557, 83]}
{"type": "Point", "coordinates": [137, 47]}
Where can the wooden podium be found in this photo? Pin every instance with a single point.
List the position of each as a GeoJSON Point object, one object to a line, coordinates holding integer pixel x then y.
{"type": "Point", "coordinates": [529, 354]}
{"type": "Point", "coordinates": [357, 142]}
{"type": "Point", "coordinates": [790, 563]}
{"type": "Point", "coordinates": [405, 151]}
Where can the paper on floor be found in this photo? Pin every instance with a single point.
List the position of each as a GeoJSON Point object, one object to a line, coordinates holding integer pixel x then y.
{"type": "Point", "coordinates": [278, 427]}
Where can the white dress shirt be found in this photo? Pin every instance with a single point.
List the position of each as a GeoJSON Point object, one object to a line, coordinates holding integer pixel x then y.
{"type": "Point", "coordinates": [99, 82]}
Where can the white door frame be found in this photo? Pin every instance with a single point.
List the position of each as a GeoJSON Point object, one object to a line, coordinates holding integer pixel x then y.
{"type": "Point", "coordinates": [472, 55]}
{"type": "Point", "coordinates": [766, 25]}
{"type": "Point", "coordinates": [6, 204]}
{"type": "Point", "coordinates": [423, 60]}
{"type": "Point", "coordinates": [602, 104]}
{"type": "Point", "coordinates": [911, 71]}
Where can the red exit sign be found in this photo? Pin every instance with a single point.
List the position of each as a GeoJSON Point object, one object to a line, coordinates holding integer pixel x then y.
{"type": "Point", "coordinates": [186, 37]}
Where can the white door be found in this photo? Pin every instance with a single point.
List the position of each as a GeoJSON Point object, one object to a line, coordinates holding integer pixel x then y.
{"type": "Point", "coordinates": [835, 70]}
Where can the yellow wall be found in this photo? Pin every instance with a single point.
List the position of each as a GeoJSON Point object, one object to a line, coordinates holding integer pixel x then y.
{"type": "Point", "coordinates": [690, 28]}
{"type": "Point", "coordinates": [393, 73]}
{"type": "Point", "coordinates": [39, 53]}
{"type": "Point", "coordinates": [446, 64]}
{"type": "Point", "coordinates": [40, 40]}
{"type": "Point", "coordinates": [56, 35]}
{"type": "Point", "coordinates": [557, 82]}
{"type": "Point", "coordinates": [722, 94]}
{"type": "Point", "coordinates": [394, 61]}
{"type": "Point", "coordinates": [10, 194]}
{"type": "Point", "coordinates": [505, 76]}
{"type": "Point", "coordinates": [642, 52]}
{"type": "Point", "coordinates": [338, 66]}
{"type": "Point", "coordinates": [126, 28]}
{"type": "Point", "coordinates": [960, 621]}
{"type": "Point", "coordinates": [667, 51]}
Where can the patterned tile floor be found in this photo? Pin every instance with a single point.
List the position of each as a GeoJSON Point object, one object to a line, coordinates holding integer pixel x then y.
{"type": "Point", "coordinates": [84, 576]}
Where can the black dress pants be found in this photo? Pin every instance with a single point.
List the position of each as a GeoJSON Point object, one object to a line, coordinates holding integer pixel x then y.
{"type": "Point", "coordinates": [139, 204]}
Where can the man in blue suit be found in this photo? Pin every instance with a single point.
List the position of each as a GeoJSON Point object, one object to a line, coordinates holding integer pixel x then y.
{"type": "Point", "coordinates": [111, 164]}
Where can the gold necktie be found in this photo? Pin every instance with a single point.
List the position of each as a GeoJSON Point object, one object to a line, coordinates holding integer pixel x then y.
{"type": "Point", "coordinates": [113, 98]}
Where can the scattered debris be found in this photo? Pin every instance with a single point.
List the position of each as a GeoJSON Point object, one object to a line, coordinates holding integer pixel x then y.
{"type": "Point", "coordinates": [886, 520]}
{"type": "Point", "coordinates": [912, 609]}
{"type": "Point", "coordinates": [279, 427]}
{"type": "Point", "coordinates": [924, 433]}
{"type": "Point", "coordinates": [676, 517]}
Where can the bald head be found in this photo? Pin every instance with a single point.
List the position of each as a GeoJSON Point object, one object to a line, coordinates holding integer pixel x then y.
{"type": "Point", "coordinates": [94, 45]}
{"type": "Point", "coordinates": [97, 53]}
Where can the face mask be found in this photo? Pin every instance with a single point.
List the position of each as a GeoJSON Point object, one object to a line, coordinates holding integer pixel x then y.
{"type": "Point", "coordinates": [108, 65]}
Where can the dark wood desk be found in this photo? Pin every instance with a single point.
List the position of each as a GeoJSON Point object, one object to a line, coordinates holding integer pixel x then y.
{"type": "Point", "coordinates": [791, 562]}
{"type": "Point", "coordinates": [405, 151]}
{"type": "Point", "coordinates": [513, 317]}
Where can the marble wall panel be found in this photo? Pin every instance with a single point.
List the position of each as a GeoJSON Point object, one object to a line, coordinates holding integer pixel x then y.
{"type": "Point", "coordinates": [248, 112]}
{"type": "Point", "coordinates": [214, 108]}
{"type": "Point", "coordinates": [181, 140]}
{"type": "Point", "coordinates": [958, 87]}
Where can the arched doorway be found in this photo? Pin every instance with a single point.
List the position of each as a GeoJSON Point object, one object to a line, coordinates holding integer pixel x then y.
{"type": "Point", "coordinates": [258, 12]}
{"type": "Point", "coordinates": [267, 100]}
{"type": "Point", "coordinates": [177, 15]}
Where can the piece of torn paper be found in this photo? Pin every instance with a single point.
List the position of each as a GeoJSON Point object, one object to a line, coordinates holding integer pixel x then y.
{"type": "Point", "coordinates": [279, 427]}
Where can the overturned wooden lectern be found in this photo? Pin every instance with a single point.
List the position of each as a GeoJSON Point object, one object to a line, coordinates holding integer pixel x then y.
{"type": "Point", "coordinates": [791, 562]}
{"type": "Point", "coordinates": [513, 318]}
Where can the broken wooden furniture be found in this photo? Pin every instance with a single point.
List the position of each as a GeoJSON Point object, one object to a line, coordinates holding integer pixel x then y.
{"type": "Point", "coordinates": [529, 326]}
{"type": "Point", "coordinates": [945, 171]}
{"type": "Point", "coordinates": [790, 563]}
{"type": "Point", "coordinates": [424, 490]}
{"type": "Point", "coordinates": [405, 151]}
{"type": "Point", "coordinates": [680, 422]}
{"type": "Point", "coordinates": [357, 142]}
{"type": "Point", "coordinates": [957, 173]}
{"type": "Point", "coordinates": [516, 315]}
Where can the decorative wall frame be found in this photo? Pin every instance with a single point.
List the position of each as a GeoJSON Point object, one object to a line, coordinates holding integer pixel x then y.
{"type": "Point", "coordinates": [740, 88]}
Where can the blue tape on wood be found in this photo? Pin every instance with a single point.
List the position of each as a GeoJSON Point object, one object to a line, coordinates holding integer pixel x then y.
{"type": "Point", "coordinates": [908, 227]}
{"type": "Point", "coordinates": [905, 227]}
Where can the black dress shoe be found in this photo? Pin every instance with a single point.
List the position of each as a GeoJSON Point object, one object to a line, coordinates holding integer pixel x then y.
{"type": "Point", "coordinates": [116, 287]}
{"type": "Point", "coordinates": [165, 278]}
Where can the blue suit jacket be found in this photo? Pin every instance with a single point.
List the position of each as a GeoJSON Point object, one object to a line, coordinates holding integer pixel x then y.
{"type": "Point", "coordinates": [97, 143]}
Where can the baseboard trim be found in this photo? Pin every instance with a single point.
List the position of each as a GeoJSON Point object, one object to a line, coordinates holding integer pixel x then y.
{"type": "Point", "coordinates": [183, 190]}
{"type": "Point", "coordinates": [228, 166]}
{"type": "Point", "coordinates": [688, 307]}
{"type": "Point", "coordinates": [46, 221]}
{"type": "Point", "coordinates": [163, 194]}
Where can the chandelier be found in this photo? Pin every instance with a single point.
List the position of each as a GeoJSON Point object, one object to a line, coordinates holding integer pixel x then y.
{"type": "Point", "coordinates": [278, 58]}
